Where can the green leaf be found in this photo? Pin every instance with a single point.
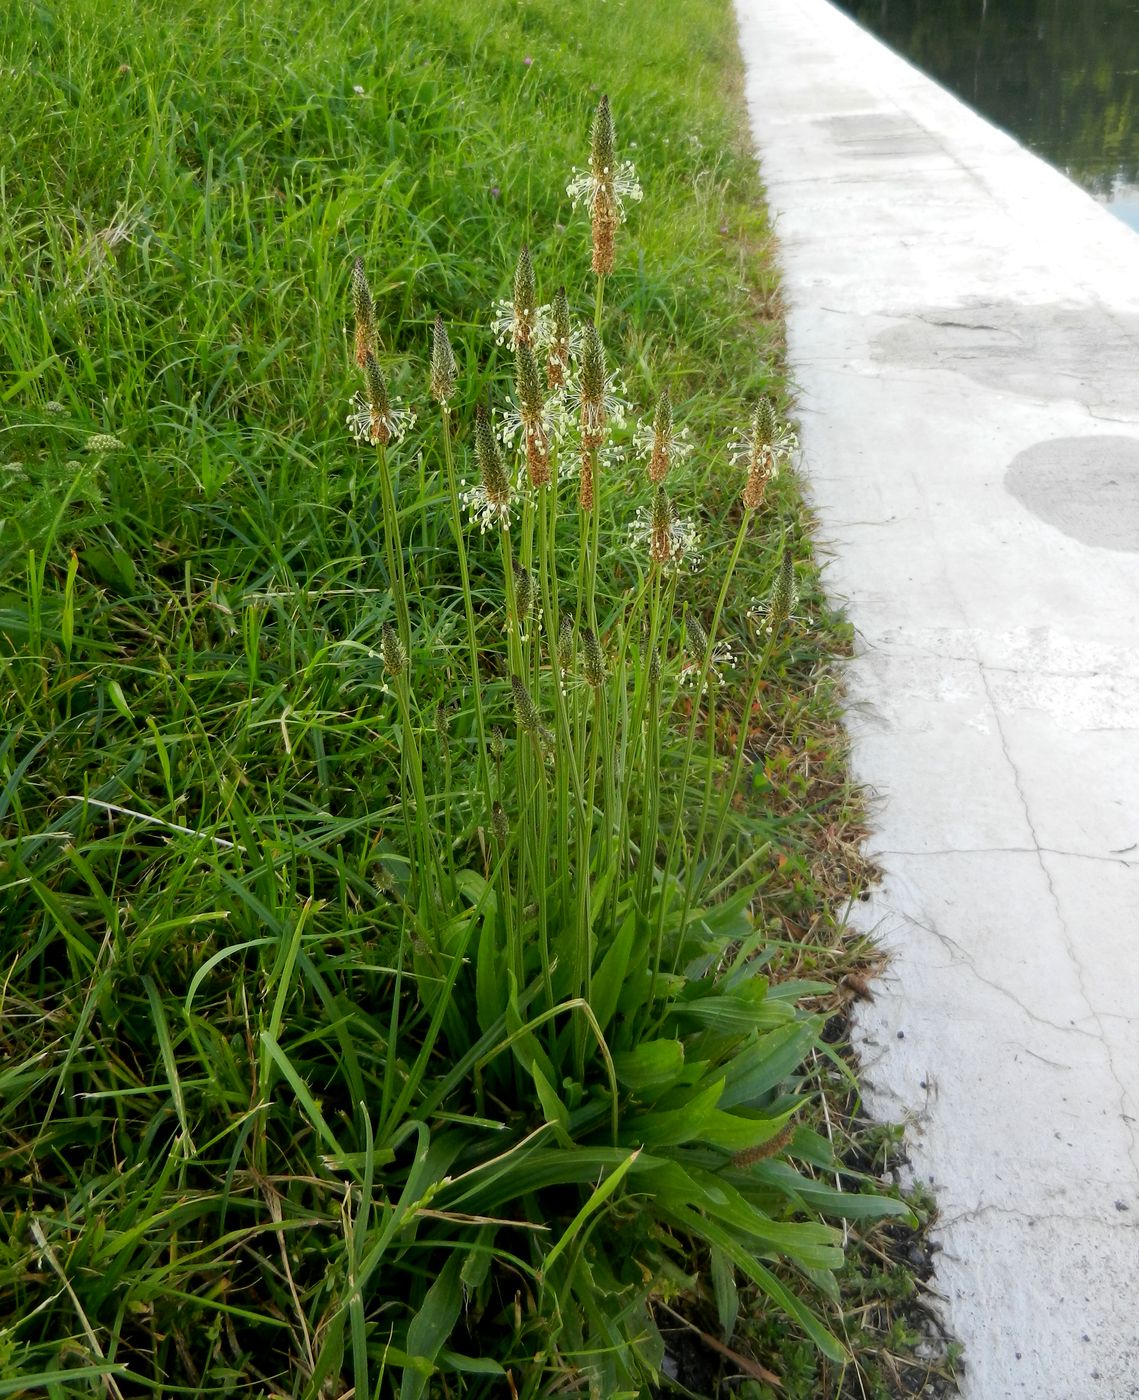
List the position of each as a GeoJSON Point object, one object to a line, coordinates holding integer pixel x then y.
{"type": "Point", "coordinates": [114, 567]}
{"type": "Point", "coordinates": [476, 1266]}
{"type": "Point", "coordinates": [557, 1114]}
{"type": "Point", "coordinates": [490, 984]}
{"type": "Point", "coordinates": [430, 1328]}
{"type": "Point", "coordinates": [170, 1062]}
{"type": "Point", "coordinates": [524, 1044]}
{"type": "Point", "coordinates": [730, 920]}
{"type": "Point", "coordinates": [734, 1012]}
{"type": "Point", "coordinates": [808, 1243]}
{"type": "Point", "coordinates": [303, 1093]}
{"type": "Point", "coordinates": [119, 700]}
{"type": "Point", "coordinates": [816, 1195]}
{"type": "Point", "coordinates": [670, 1127]}
{"type": "Point", "coordinates": [469, 1365]}
{"type": "Point", "coordinates": [20, 1385]}
{"type": "Point", "coordinates": [597, 1199]}
{"type": "Point", "coordinates": [715, 1234]}
{"type": "Point", "coordinates": [767, 1062]}
{"type": "Point", "coordinates": [725, 1292]}
{"type": "Point", "coordinates": [609, 978]}
{"type": "Point", "coordinates": [653, 1064]}
{"type": "Point", "coordinates": [735, 1133]}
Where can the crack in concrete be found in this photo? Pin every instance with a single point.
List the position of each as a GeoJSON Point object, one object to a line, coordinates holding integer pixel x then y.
{"type": "Point", "coordinates": [1133, 1142]}
{"type": "Point", "coordinates": [962, 958]}
{"type": "Point", "coordinates": [1035, 1217]}
{"type": "Point", "coordinates": [1037, 672]}
{"type": "Point", "coordinates": [1006, 851]}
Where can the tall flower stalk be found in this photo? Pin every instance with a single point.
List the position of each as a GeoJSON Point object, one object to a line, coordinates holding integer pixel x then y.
{"type": "Point", "coordinates": [444, 376]}
{"type": "Point", "coordinates": [603, 189]}
{"type": "Point", "coordinates": [381, 421]}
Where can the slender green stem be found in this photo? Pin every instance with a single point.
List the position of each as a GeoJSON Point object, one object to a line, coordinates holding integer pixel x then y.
{"type": "Point", "coordinates": [594, 546]}
{"type": "Point", "coordinates": [424, 837]}
{"type": "Point", "coordinates": [393, 546]}
{"type": "Point", "coordinates": [686, 764]}
{"type": "Point", "coordinates": [566, 770]}
{"type": "Point", "coordinates": [468, 604]}
{"type": "Point", "coordinates": [741, 745]}
{"type": "Point", "coordinates": [694, 850]}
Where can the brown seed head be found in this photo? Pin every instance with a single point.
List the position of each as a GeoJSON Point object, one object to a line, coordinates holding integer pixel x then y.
{"type": "Point", "coordinates": [771, 1148]}
{"type": "Point", "coordinates": [442, 723]}
{"type": "Point", "coordinates": [500, 824]}
{"type": "Point", "coordinates": [783, 593]}
{"type": "Point", "coordinates": [364, 313]}
{"type": "Point", "coordinates": [585, 489]}
{"type": "Point", "coordinates": [761, 454]}
{"type": "Point", "coordinates": [660, 534]}
{"type": "Point", "coordinates": [565, 643]}
{"type": "Point", "coordinates": [763, 424]}
{"type": "Point", "coordinates": [661, 459]}
{"type": "Point", "coordinates": [606, 215]}
{"type": "Point", "coordinates": [759, 473]}
{"type": "Point", "coordinates": [525, 593]}
{"type": "Point", "coordinates": [532, 411]}
{"type": "Point", "coordinates": [603, 144]}
{"type": "Point", "coordinates": [696, 639]}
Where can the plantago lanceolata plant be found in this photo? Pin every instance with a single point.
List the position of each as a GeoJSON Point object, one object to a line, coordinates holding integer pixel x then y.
{"type": "Point", "coordinates": [384, 1007]}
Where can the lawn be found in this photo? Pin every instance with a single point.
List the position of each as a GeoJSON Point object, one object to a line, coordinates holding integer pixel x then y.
{"type": "Point", "coordinates": [422, 837]}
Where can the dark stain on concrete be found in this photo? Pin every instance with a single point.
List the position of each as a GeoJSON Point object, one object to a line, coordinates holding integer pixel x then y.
{"type": "Point", "coordinates": [1088, 487]}
{"type": "Point", "coordinates": [1043, 352]}
{"type": "Point", "coordinates": [874, 135]}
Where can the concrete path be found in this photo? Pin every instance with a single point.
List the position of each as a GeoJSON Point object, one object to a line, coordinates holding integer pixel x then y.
{"type": "Point", "coordinates": [964, 331]}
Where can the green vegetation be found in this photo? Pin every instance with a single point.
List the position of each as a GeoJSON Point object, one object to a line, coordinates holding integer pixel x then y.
{"type": "Point", "coordinates": [416, 939]}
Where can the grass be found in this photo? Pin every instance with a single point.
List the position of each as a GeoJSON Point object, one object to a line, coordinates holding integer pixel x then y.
{"type": "Point", "coordinates": [346, 1043]}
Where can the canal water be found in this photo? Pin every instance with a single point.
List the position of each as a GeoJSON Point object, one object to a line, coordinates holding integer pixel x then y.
{"type": "Point", "coordinates": [1062, 76]}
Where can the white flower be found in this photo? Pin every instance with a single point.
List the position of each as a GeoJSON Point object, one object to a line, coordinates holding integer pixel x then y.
{"type": "Point", "coordinates": [749, 445]}
{"type": "Point", "coordinates": [720, 659]}
{"type": "Point", "coordinates": [486, 509]}
{"type": "Point", "coordinates": [519, 325]}
{"type": "Point", "coordinates": [607, 185]}
{"type": "Point", "coordinates": [672, 539]}
{"type": "Point", "coordinates": [513, 422]}
{"type": "Point", "coordinates": [375, 423]}
{"type": "Point", "coordinates": [597, 414]}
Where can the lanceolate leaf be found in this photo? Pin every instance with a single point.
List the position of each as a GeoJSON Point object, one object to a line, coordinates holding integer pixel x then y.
{"type": "Point", "coordinates": [653, 1064]}
{"type": "Point", "coordinates": [430, 1328]}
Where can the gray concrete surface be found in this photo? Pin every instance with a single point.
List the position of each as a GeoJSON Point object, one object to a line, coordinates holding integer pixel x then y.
{"type": "Point", "coordinates": [964, 331]}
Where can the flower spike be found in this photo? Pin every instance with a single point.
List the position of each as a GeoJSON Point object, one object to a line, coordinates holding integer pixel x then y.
{"type": "Point", "coordinates": [364, 314]}
{"type": "Point", "coordinates": [444, 371]}
{"type": "Point", "coordinates": [376, 417]}
{"type": "Point", "coordinates": [760, 451]}
{"type": "Point", "coordinates": [491, 500]}
{"type": "Point", "coordinates": [603, 188]}
{"type": "Point", "coordinates": [521, 320]}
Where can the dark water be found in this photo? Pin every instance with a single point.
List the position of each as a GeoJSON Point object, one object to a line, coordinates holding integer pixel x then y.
{"type": "Point", "coordinates": [1062, 76]}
